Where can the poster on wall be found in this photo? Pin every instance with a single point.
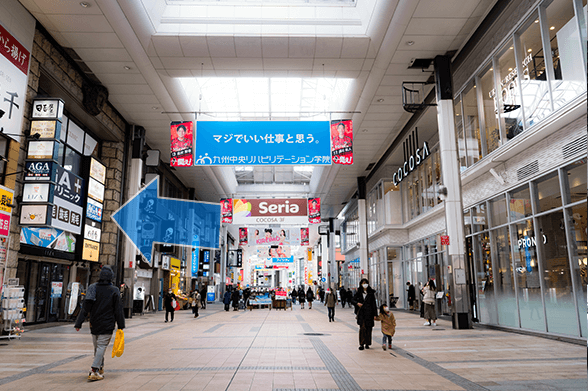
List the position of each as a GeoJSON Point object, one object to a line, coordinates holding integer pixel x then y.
{"type": "Point", "coordinates": [227, 210]}
{"type": "Point", "coordinates": [274, 236]}
{"type": "Point", "coordinates": [243, 236]}
{"type": "Point", "coordinates": [182, 150]}
{"type": "Point", "coordinates": [304, 237]}
{"type": "Point", "coordinates": [14, 68]}
{"type": "Point", "coordinates": [314, 210]}
{"type": "Point", "coordinates": [342, 141]}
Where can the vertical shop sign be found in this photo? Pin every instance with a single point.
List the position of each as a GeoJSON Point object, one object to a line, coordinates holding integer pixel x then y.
{"type": "Point", "coordinates": [14, 67]}
{"type": "Point", "coordinates": [227, 210]}
{"type": "Point", "coordinates": [182, 150]}
{"type": "Point", "coordinates": [242, 236]}
{"type": "Point", "coordinates": [195, 262]}
{"type": "Point", "coordinates": [342, 141]}
{"type": "Point", "coordinates": [314, 210]}
{"type": "Point", "coordinates": [304, 239]}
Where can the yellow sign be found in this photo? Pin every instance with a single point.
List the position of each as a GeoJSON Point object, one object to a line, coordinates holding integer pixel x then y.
{"type": "Point", "coordinates": [175, 263]}
{"type": "Point", "coordinates": [45, 129]}
{"type": "Point", "coordinates": [310, 254]}
{"type": "Point", "coordinates": [91, 251]}
{"type": "Point", "coordinates": [6, 199]}
{"type": "Point", "coordinates": [174, 281]}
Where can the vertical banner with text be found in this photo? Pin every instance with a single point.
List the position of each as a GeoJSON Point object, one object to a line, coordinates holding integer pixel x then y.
{"type": "Point", "coordinates": [342, 141]}
{"type": "Point", "coordinates": [314, 210]}
{"type": "Point", "coordinates": [182, 146]}
{"type": "Point", "coordinates": [243, 236]}
{"type": "Point", "coordinates": [227, 210]}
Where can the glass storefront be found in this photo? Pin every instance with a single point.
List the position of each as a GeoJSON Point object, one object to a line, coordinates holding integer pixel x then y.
{"type": "Point", "coordinates": [529, 254]}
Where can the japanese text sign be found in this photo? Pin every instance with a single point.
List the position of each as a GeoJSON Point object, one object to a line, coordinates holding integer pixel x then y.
{"type": "Point", "coordinates": [270, 211]}
{"type": "Point", "coordinates": [4, 224]}
{"type": "Point", "coordinates": [14, 67]}
{"type": "Point", "coordinates": [69, 186]}
{"type": "Point", "coordinates": [91, 251]}
{"type": "Point", "coordinates": [40, 171]}
{"type": "Point", "coordinates": [182, 136]}
{"type": "Point", "coordinates": [258, 143]}
{"type": "Point", "coordinates": [6, 199]}
{"type": "Point", "coordinates": [342, 141]}
{"type": "Point", "coordinates": [66, 216]}
{"type": "Point", "coordinates": [314, 210]}
{"type": "Point", "coordinates": [227, 210]}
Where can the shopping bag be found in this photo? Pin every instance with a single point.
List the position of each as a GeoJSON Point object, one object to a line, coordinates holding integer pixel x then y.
{"type": "Point", "coordinates": [119, 344]}
{"type": "Point", "coordinates": [176, 305]}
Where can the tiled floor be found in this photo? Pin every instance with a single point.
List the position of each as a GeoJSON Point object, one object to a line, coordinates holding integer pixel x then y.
{"type": "Point", "coordinates": [291, 350]}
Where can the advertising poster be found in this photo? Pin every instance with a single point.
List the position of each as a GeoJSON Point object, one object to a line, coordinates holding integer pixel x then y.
{"type": "Point", "coordinates": [242, 236]}
{"type": "Point", "coordinates": [278, 254]}
{"type": "Point", "coordinates": [94, 210]}
{"type": "Point", "coordinates": [227, 210]}
{"type": "Point", "coordinates": [274, 236]}
{"type": "Point", "coordinates": [40, 171]}
{"type": "Point", "coordinates": [342, 141]}
{"type": "Point", "coordinates": [182, 149]}
{"type": "Point", "coordinates": [314, 210]}
{"type": "Point", "coordinates": [52, 238]}
{"type": "Point", "coordinates": [56, 289]}
{"type": "Point", "coordinates": [304, 238]}
{"type": "Point", "coordinates": [46, 129]}
{"type": "Point", "coordinates": [4, 224]}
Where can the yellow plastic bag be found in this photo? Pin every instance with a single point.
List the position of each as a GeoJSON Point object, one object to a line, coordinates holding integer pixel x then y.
{"type": "Point", "coordinates": [119, 344]}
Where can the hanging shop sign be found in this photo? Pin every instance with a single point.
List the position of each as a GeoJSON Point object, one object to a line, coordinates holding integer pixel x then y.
{"type": "Point", "coordinates": [90, 251]}
{"type": "Point", "coordinates": [243, 240]}
{"type": "Point", "coordinates": [37, 192]}
{"type": "Point", "coordinates": [14, 68]}
{"type": "Point", "coordinates": [47, 237]}
{"type": "Point", "coordinates": [4, 224]}
{"type": "Point", "coordinates": [75, 136]}
{"type": "Point", "coordinates": [35, 214]}
{"type": "Point", "coordinates": [410, 164]}
{"type": "Point", "coordinates": [314, 210]}
{"type": "Point", "coordinates": [264, 211]}
{"type": "Point", "coordinates": [46, 129]}
{"type": "Point", "coordinates": [96, 190]}
{"type": "Point", "coordinates": [47, 109]}
{"type": "Point", "coordinates": [94, 210]}
{"type": "Point", "coordinates": [47, 150]}
{"type": "Point", "coordinates": [258, 143]}
{"type": "Point", "coordinates": [92, 231]}
{"type": "Point", "coordinates": [227, 210]}
{"type": "Point", "coordinates": [304, 237]}
{"type": "Point", "coordinates": [342, 141]}
{"type": "Point", "coordinates": [6, 195]}
{"type": "Point", "coordinates": [235, 258]}
{"type": "Point", "coordinates": [67, 216]}
{"type": "Point", "coordinates": [195, 262]}
{"type": "Point", "coordinates": [40, 171]}
{"type": "Point", "coordinates": [69, 187]}
{"type": "Point", "coordinates": [97, 170]}
{"type": "Point", "coordinates": [182, 142]}
{"type": "Point", "coordinates": [274, 252]}
{"type": "Point", "coordinates": [274, 236]}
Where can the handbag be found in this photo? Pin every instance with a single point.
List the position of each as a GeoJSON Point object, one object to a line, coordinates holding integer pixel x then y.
{"type": "Point", "coordinates": [174, 303]}
{"type": "Point", "coordinates": [119, 343]}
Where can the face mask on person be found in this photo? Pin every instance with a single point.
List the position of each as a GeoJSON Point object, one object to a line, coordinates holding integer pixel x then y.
{"type": "Point", "coordinates": [365, 286]}
{"type": "Point", "coordinates": [386, 309]}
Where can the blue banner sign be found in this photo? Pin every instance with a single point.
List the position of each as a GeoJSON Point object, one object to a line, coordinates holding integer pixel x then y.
{"type": "Point", "coordinates": [283, 260]}
{"type": "Point", "coordinates": [258, 143]}
{"type": "Point", "coordinates": [195, 261]}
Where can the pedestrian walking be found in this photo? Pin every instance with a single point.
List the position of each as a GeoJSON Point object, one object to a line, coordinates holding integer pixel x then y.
{"type": "Point", "coordinates": [366, 310]}
{"type": "Point", "coordinates": [429, 301]}
{"type": "Point", "coordinates": [388, 326]}
{"type": "Point", "coordinates": [349, 295]}
{"type": "Point", "coordinates": [235, 299]}
{"type": "Point", "coordinates": [227, 299]}
{"type": "Point", "coordinates": [104, 306]}
{"type": "Point", "coordinates": [331, 302]}
{"type": "Point", "coordinates": [195, 302]}
{"type": "Point", "coordinates": [293, 295]}
{"type": "Point", "coordinates": [301, 297]}
{"type": "Point", "coordinates": [343, 295]}
{"type": "Point", "coordinates": [309, 297]}
{"type": "Point", "coordinates": [322, 294]}
{"type": "Point", "coordinates": [411, 295]}
{"type": "Point", "coordinates": [203, 298]}
{"type": "Point", "coordinates": [170, 302]}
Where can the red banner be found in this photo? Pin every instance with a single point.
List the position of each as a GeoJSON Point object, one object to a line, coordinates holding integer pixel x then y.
{"type": "Point", "coordinates": [242, 236]}
{"type": "Point", "coordinates": [227, 210]}
{"type": "Point", "coordinates": [314, 210]}
{"type": "Point", "coordinates": [182, 148]}
{"type": "Point", "coordinates": [304, 239]}
{"type": "Point", "coordinates": [342, 141]}
{"type": "Point", "coordinates": [14, 51]}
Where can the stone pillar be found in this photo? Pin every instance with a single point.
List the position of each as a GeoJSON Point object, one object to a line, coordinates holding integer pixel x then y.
{"type": "Point", "coordinates": [461, 313]}
{"type": "Point", "coordinates": [363, 236]}
{"type": "Point", "coordinates": [112, 157]}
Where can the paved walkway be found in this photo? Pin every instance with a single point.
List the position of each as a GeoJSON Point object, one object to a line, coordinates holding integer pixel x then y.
{"type": "Point", "coordinates": [291, 350]}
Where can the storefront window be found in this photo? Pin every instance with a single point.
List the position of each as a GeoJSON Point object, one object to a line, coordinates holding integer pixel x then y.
{"type": "Point", "coordinates": [485, 279]}
{"type": "Point", "coordinates": [579, 239]}
{"type": "Point", "coordinates": [508, 97]}
{"type": "Point", "coordinates": [531, 62]}
{"type": "Point", "coordinates": [528, 278]}
{"type": "Point", "coordinates": [430, 183]}
{"type": "Point", "coordinates": [459, 131]}
{"type": "Point", "coordinates": [467, 221]}
{"type": "Point", "coordinates": [490, 110]}
{"type": "Point", "coordinates": [557, 280]}
{"type": "Point", "coordinates": [567, 52]}
{"type": "Point", "coordinates": [479, 220]}
{"type": "Point", "coordinates": [548, 193]}
{"type": "Point", "coordinates": [504, 279]}
{"type": "Point", "coordinates": [520, 203]}
{"type": "Point", "coordinates": [471, 125]}
{"type": "Point", "coordinates": [72, 161]}
{"type": "Point", "coordinates": [437, 172]}
{"type": "Point", "coordinates": [576, 178]}
{"type": "Point", "coordinates": [498, 211]}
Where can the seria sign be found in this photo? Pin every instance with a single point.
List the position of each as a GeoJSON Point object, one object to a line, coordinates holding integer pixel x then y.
{"type": "Point", "coordinates": [411, 164]}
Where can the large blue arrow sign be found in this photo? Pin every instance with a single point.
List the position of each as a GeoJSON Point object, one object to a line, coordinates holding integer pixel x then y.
{"type": "Point", "coordinates": [148, 219]}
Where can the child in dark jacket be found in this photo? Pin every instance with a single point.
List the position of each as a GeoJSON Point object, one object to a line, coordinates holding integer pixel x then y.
{"type": "Point", "coordinates": [388, 325]}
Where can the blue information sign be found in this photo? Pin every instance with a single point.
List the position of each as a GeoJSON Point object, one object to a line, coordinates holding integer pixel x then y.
{"type": "Point", "coordinates": [195, 256]}
{"type": "Point", "coordinates": [258, 143]}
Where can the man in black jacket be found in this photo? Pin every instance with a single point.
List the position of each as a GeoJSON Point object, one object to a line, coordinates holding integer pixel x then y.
{"type": "Point", "coordinates": [366, 310]}
{"type": "Point", "coordinates": [104, 306]}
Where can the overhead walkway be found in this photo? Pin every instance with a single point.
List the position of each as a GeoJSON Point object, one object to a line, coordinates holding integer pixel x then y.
{"type": "Point", "coordinates": [266, 350]}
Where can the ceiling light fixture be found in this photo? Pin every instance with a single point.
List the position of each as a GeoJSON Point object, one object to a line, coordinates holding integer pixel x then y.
{"type": "Point", "coordinates": [410, 43]}
{"type": "Point", "coordinates": [529, 50]}
{"type": "Point", "coordinates": [127, 68]}
{"type": "Point", "coordinates": [380, 100]}
{"type": "Point", "coordinates": [511, 48]}
{"type": "Point", "coordinates": [552, 28]}
{"type": "Point", "coordinates": [85, 4]}
{"type": "Point", "coordinates": [154, 108]}
{"type": "Point", "coordinates": [364, 130]}
{"type": "Point", "coordinates": [536, 20]}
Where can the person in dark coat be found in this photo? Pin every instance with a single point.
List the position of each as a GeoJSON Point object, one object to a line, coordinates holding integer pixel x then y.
{"type": "Point", "coordinates": [309, 297]}
{"type": "Point", "coordinates": [203, 298]}
{"type": "Point", "coordinates": [104, 306]}
{"type": "Point", "coordinates": [321, 293]}
{"type": "Point", "coordinates": [167, 302]}
{"type": "Point", "coordinates": [227, 299]}
{"type": "Point", "coordinates": [301, 297]}
{"type": "Point", "coordinates": [235, 299]}
{"type": "Point", "coordinates": [343, 295]}
{"type": "Point", "coordinates": [293, 295]}
{"type": "Point", "coordinates": [366, 310]}
{"type": "Point", "coordinates": [411, 295]}
{"type": "Point", "coordinates": [349, 297]}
